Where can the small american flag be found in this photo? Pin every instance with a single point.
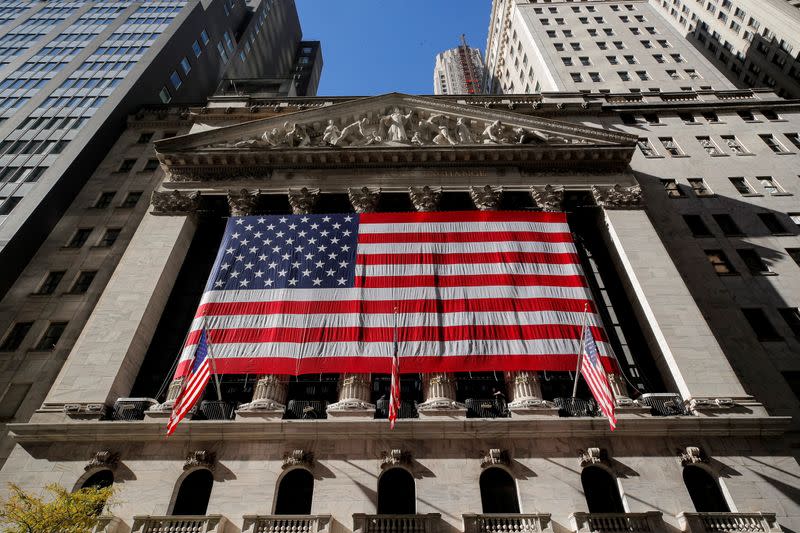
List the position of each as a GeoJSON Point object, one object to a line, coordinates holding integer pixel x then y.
{"type": "Point", "coordinates": [195, 384]}
{"type": "Point", "coordinates": [596, 378]}
{"type": "Point", "coordinates": [394, 390]}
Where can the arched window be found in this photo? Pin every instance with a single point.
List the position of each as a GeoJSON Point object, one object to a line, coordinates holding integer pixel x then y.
{"type": "Point", "coordinates": [601, 491]}
{"type": "Point", "coordinates": [498, 492]}
{"type": "Point", "coordinates": [194, 493]}
{"type": "Point", "coordinates": [295, 492]}
{"type": "Point", "coordinates": [99, 480]}
{"type": "Point", "coordinates": [396, 492]}
{"type": "Point", "coordinates": [706, 495]}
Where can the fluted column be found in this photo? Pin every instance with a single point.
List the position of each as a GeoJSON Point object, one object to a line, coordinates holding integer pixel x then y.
{"type": "Point", "coordinates": [439, 388]}
{"type": "Point", "coordinates": [355, 389]}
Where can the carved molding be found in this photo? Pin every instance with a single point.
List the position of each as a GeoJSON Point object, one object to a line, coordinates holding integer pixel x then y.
{"type": "Point", "coordinates": [298, 458]}
{"type": "Point", "coordinates": [592, 456]}
{"type": "Point", "coordinates": [243, 202]}
{"type": "Point", "coordinates": [103, 459]}
{"type": "Point", "coordinates": [692, 455]}
{"type": "Point", "coordinates": [425, 198]}
{"type": "Point", "coordinates": [496, 456]}
{"type": "Point", "coordinates": [365, 199]}
{"type": "Point", "coordinates": [200, 458]}
{"type": "Point", "coordinates": [548, 198]}
{"type": "Point", "coordinates": [303, 200]}
{"type": "Point", "coordinates": [619, 197]}
{"type": "Point", "coordinates": [395, 457]}
{"type": "Point", "coordinates": [486, 198]}
{"type": "Point", "coordinates": [175, 202]}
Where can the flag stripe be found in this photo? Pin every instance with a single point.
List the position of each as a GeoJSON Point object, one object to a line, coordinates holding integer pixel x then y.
{"type": "Point", "coordinates": [388, 269]}
{"type": "Point", "coordinates": [462, 237]}
{"type": "Point", "coordinates": [468, 247]}
{"type": "Point", "coordinates": [462, 226]}
{"type": "Point", "coordinates": [463, 216]}
{"type": "Point", "coordinates": [505, 257]}
{"type": "Point", "coordinates": [512, 280]}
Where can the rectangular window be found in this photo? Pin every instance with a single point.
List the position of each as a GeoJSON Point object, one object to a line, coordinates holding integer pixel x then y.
{"type": "Point", "coordinates": [769, 114]}
{"type": "Point", "coordinates": [12, 400]}
{"type": "Point", "coordinates": [770, 185]}
{"type": "Point", "coordinates": [741, 185]}
{"type": "Point", "coordinates": [79, 238]}
{"type": "Point", "coordinates": [176, 80]}
{"type": "Point", "coordinates": [644, 146]}
{"type": "Point", "coordinates": [672, 188]}
{"type": "Point", "coordinates": [13, 339]}
{"type": "Point", "coordinates": [772, 223]}
{"type": "Point", "coordinates": [687, 117]}
{"type": "Point", "coordinates": [83, 281]}
{"type": "Point", "coordinates": [151, 165]}
{"type": "Point", "coordinates": [126, 165]}
{"type": "Point", "coordinates": [734, 145]}
{"type": "Point", "coordinates": [791, 315]}
{"type": "Point", "coordinates": [8, 204]}
{"type": "Point", "coordinates": [746, 115]}
{"type": "Point", "coordinates": [131, 199]}
{"type": "Point", "coordinates": [794, 253]}
{"type": "Point", "coordinates": [720, 262]}
{"type": "Point", "coordinates": [761, 325]}
{"type": "Point", "coordinates": [204, 37]}
{"type": "Point", "coordinates": [104, 200]}
{"type": "Point", "coordinates": [671, 146]}
{"type": "Point", "coordinates": [794, 138]}
{"type": "Point", "coordinates": [51, 336]}
{"type": "Point", "coordinates": [697, 226]}
{"type": "Point", "coordinates": [196, 49]}
{"type": "Point", "coordinates": [109, 237]}
{"type": "Point", "coordinates": [699, 187]}
{"type": "Point", "coordinates": [773, 143]}
{"type": "Point", "coordinates": [727, 225]}
{"type": "Point", "coordinates": [709, 146]}
{"type": "Point", "coordinates": [185, 65]}
{"type": "Point", "coordinates": [754, 263]}
{"type": "Point", "coordinates": [50, 282]}
{"type": "Point", "coordinates": [145, 138]}
{"type": "Point", "coordinates": [710, 116]}
{"type": "Point", "coordinates": [164, 95]}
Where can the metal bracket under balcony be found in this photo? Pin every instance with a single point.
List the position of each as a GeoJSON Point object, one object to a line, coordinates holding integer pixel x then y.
{"type": "Point", "coordinates": [649, 522]}
{"type": "Point", "coordinates": [729, 523]}
{"type": "Point", "coordinates": [396, 523]}
{"type": "Point", "coordinates": [507, 523]}
{"type": "Point", "coordinates": [286, 524]}
{"type": "Point", "coordinates": [179, 524]}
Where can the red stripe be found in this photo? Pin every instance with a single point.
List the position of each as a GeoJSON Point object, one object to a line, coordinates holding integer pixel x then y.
{"type": "Point", "coordinates": [475, 280]}
{"type": "Point", "coordinates": [404, 334]}
{"type": "Point", "coordinates": [382, 365]}
{"type": "Point", "coordinates": [470, 236]}
{"type": "Point", "coordinates": [387, 306]}
{"type": "Point", "coordinates": [463, 216]}
{"type": "Point", "coordinates": [467, 258]}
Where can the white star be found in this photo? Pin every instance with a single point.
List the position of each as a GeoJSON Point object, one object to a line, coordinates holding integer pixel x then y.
{"type": "Point", "coordinates": [289, 241]}
{"type": "Point", "coordinates": [337, 226]}
{"type": "Point", "coordinates": [267, 241]}
{"type": "Point", "coordinates": [348, 218]}
{"type": "Point", "coordinates": [234, 236]}
{"type": "Point", "coordinates": [282, 273]}
{"type": "Point", "coordinates": [253, 250]}
{"type": "Point", "coordinates": [285, 257]}
{"type": "Point", "coordinates": [219, 283]}
{"type": "Point", "coordinates": [312, 240]}
{"type": "Point", "coordinates": [229, 251]}
{"type": "Point", "coordinates": [292, 226]}
{"type": "Point", "coordinates": [304, 220]}
{"type": "Point", "coordinates": [262, 257]}
{"type": "Point", "coordinates": [271, 227]}
{"type": "Point", "coordinates": [282, 220]}
{"type": "Point", "coordinates": [345, 248]}
{"type": "Point", "coordinates": [342, 264]}
{"type": "Point", "coordinates": [261, 220]}
{"type": "Point", "coordinates": [239, 257]}
{"type": "Point", "coordinates": [225, 266]}
{"type": "Point", "coordinates": [276, 249]}
{"type": "Point", "coordinates": [296, 264]}
{"type": "Point", "coordinates": [322, 247]}
{"type": "Point", "coordinates": [335, 240]}
{"type": "Point", "coordinates": [234, 274]}
{"type": "Point", "coordinates": [324, 233]}
{"type": "Point", "coordinates": [314, 226]}
{"type": "Point", "coordinates": [239, 221]}
{"type": "Point", "coordinates": [326, 219]}
{"type": "Point", "coordinates": [346, 233]}
{"type": "Point", "coordinates": [243, 283]}
{"type": "Point", "coordinates": [273, 264]}
{"type": "Point", "coordinates": [301, 234]}
{"type": "Point", "coordinates": [309, 257]}
{"type": "Point", "coordinates": [249, 227]}
{"type": "Point", "coordinates": [248, 266]}
{"type": "Point", "coordinates": [341, 281]}
{"type": "Point", "coordinates": [257, 234]}
{"type": "Point", "coordinates": [330, 272]}
{"type": "Point", "coordinates": [319, 264]}
{"type": "Point", "coordinates": [298, 248]}
{"type": "Point", "coordinates": [268, 282]}
{"type": "Point", "coordinates": [279, 234]}
{"type": "Point", "coordinates": [245, 242]}
{"type": "Point", "coordinates": [317, 281]}
{"type": "Point", "coordinates": [292, 282]}
{"type": "Point", "coordinates": [306, 272]}
{"type": "Point", "coordinates": [259, 273]}
{"type": "Point", "coordinates": [332, 256]}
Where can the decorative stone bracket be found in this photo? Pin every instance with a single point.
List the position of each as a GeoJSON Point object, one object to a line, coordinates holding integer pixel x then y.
{"type": "Point", "coordinates": [592, 456]}
{"type": "Point", "coordinates": [303, 200]}
{"type": "Point", "coordinates": [365, 199]}
{"type": "Point", "coordinates": [619, 197]}
{"type": "Point", "coordinates": [425, 198]}
{"type": "Point", "coordinates": [496, 456]}
{"type": "Point", "coordinates": [298, 458]}
{"type": "Point", "coordinates": [395, 458]}
{"type": "Point", "coordinates": [171, 203]}
{"type": "Point", "coordinates": [200, 458]}
{"type": "Point", "coordinates": [692, 455]}
{"type": "Point", "coordinates": [486, 198]}
{"type": "Point", "coordinates": [103, 459]}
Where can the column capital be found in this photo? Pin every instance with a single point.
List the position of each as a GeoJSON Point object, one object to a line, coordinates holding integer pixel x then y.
{"type": "Point", "coordinates": [243, 202]}
{"type": "Point", "coordinates": [548, 198]}
{"type": "Point", "coordinates": [365, 199]}
{"type": "Point", "coordinates": [486, 198]}
{"type": "Point", "coordinates": [175, 203]}
{"type": "Point", "coordinates": [303, 200]}
{"type": "Point", "coordinates": [618, 197]}
{"type": "Point", "coordinates": [425, 198]}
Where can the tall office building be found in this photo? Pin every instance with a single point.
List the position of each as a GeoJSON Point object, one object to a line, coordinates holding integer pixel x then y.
{"type": "Point", "coordinates": [459, 70]}
{"type": "Point", "coordinates": [74, 71]}
{"type": "Point", "coordinates": [755, 42]}
{"type": "Point", "coordinates": [588, 46]}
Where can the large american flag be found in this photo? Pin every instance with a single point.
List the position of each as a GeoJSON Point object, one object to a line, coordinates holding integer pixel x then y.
{"type": "Point", "coordinates": [596, 378]}
{"type": "Point", "coordinates": [479, 291]}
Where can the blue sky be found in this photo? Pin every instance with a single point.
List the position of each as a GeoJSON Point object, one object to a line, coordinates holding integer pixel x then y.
{"type": "Point", "coordinates": [379, 46]}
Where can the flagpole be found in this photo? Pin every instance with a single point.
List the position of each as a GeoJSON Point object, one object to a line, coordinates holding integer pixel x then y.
{"type": "Point", "coordinates": [580, 351]}
{"type": "Point", "coordinates": [213, 364]}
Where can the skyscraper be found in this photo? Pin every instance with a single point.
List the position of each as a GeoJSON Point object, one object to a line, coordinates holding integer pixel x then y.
{"type": "Point", "coordinates": [459, 70]}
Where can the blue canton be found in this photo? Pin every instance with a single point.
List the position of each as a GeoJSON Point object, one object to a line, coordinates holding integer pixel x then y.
{"type": "Point", "coordinates": [591, 348]}
{"type": "Point", "coordinates": [201, 352]}
{"type": "Point", "coordinates": [287, 252]}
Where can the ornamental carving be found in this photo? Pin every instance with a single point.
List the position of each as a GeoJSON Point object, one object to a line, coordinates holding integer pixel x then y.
{"type": "Point", "coordinates": [592, 456]}
{"type": "Point", "coordinates": [496, 456]}
{"type": "Point", "coordinates": [692, 455]}
{"type": "Point", "coordinates": [298, 458]}
{"type": "Point", "coordinates": [103, 459]}
{"type": "Point", "coordinates": [303, 200]}
{"type": "Point", "coordinates": [243, 202]}
{"type": "Point", "coordinates": [425, 198]}
{"type": "Point", "coordinates": [486, 198]}
{"type": "Point", "coordinates": [619, 197]}
{"type": "Point", "coordinates": [548, 198]}
{"type": "Point", "coordinates": [200, 458]}
{"type": "Point", "coordinates": [175, 202]}
{"type": "Point", "coordinates": [365, 199]}
{"type": "Point", "coordinates": [395, 458]}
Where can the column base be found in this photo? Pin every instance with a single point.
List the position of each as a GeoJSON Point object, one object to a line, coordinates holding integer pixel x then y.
{"type": "Point", "coordinates": [530, 407]}
{"type": "Point", "coordinates": [442, 407]}
{"type": "Point", "coordinates": [351, 408]}
{"type": "Point", "coordinates": [267, 409]}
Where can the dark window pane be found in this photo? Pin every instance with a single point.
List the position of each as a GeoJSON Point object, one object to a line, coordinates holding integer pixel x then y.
{"type": "Point", "coordinates": [794, 253]}
{"type": "Point", "coordinates": [753, 261]}
{"type": "Point", "coordinates": [15, 337]}
{"type": "Point", "coordinates": [396, 494]}
{"type": "Point", "coordinates": [727, 225]}
{"type": "Point", "coordinates": [50, 283]}
{"type": "Point", "coordinates": [720, 262]}
{"type": "Point", "coordinates": [51, 336]}
{"type": "Point", "coordinates": [12, 399]}
{"type": "Point", "coordinates": [295, 493]}
{"type": "Point", "coordinates": [792, 317]}
{"type": "Point", "coordinates": [8, 204]}
{"type": "Point", "coordinates": [132, 199]}
{"type": "Point", "coordinates": [152, 164]}
{"type": "Point", "coordinates": [194, 494]}
{"type": "Point", "coordinates": [83, 282]}
{"type": "Point", "coordinates": [104, 200]}
{"type": "Point", "coordinates": [127, 165]}
{"type": "Point", "coordinates": [772, 223]}
{"type": "Point", "coordinates": [697, 226]}
{"type": "Point", "coordinates": [761, 325]}
{"type": "Point", "coordinates": [144, 138]}
{"type": "Point", "coordinates": [79, 238]}
{"type": "Point", "coordinates": [704, 491]}
{"type": "Point", "coordinates": [110, 237]}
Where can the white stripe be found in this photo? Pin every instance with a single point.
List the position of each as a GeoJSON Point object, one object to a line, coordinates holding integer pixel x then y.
{"type": "Point", "coordinates": [467, 269]}
{"type": "Point", "coordinates": [403, 293]}
{"type": "Point", "coordinates": [462, 227]}
{"type": "Point", "coordinates": [465, 247]}
{"type": "Point", "coordinates": [495, 347]}
{"type": "Point", "coordinates": [369, 320]}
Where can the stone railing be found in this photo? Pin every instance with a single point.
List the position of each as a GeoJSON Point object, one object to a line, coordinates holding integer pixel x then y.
{"type": "Point", "coordinates": [179, 524]}
{"type": "Point", "coordinates": [396, 523]}
{"type": "Point", "coordinates": [108, 524]}
{"type": "Point", "coordinates": [286, 524]}
{"type": "Point", "coordinates": [728, 522]}
{"type": "Point", "coordinates": [649, 522]}
{"type": "Point", "coordinates": [507, 523]}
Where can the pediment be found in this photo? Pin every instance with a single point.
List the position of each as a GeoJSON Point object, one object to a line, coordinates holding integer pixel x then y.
{"type": "Point", "coordinates": [390, 128]}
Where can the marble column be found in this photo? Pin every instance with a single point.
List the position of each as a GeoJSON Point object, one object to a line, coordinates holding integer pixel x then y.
{"type": "Point", "coordinates": [355, 390]}
{"type": "Point", "coordinates": [439, 388]}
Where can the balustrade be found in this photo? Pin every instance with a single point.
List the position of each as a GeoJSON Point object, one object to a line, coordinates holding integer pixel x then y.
{"type": "Point", "coordinates": [179, 524]}
{"type": "Point", "coordinates": [728, 522]}
{"type": "Point", "coordinates": [108, 524]}
{"type": "Point", "coordinates": [507, 523]}
{"type": "Point", "coordinates": [286, 524]}
{"type": "Point", "coordinates": [649, 522]}
{"type": "Point", "coordinates": [396, 523]}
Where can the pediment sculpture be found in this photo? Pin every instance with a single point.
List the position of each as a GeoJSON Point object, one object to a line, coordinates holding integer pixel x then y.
{"type": "Point", "coordinates": [396, 127]}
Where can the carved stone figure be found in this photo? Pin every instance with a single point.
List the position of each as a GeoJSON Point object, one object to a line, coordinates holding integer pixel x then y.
{"type": "Point", "coordinates": [296, 135]}
{"type": "Point", "coordinates": [496, 456]}
{"type": "Point", "coordinates": [103, 459]}
{"type": "Point", "coordinates": [548, 198]}
{"type": "Point", "coordinates": [495, 133]}
{"type": "Point", "coordinates": [592, 456]}
{"type": "Point", "coordinates": [303, 200]}
{"type": "Point", "coordinates": [175, 202]}
{"type": "Point", "coordinates": [243, 202]}
{"type": "Point", "coordinates": [463, 133]}
{"type": "Point", "coordinates": [395, 458]}
{"type": "Point", "coordinates": [692, 455]}
{"type": "Point", "coordinates": [298, 458]}
{"type": "Point", "coordinates": [365, 199]}
{"type": "Point", "coordinates": [486, 198]}
{"type": "Point", "coordinates": [524, 136]}
{"type": "Point", "coordinates": [274, 137]}
{"type": "Point", "coordinates": [396, 124]}
{"type": "Point", "coordinates": [331, 134]}
{"type": "Point", "coordinates": [425, 198]}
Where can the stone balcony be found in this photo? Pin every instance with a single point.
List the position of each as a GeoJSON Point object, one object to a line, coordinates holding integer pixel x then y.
{"type": "Point", "coordinates": [649, 522]}
{"type": "Point", "coordinates": [397, 523]}
{"type": "Point", "coordinates": [179, 524]}
{"type": "Point", "coordinates": [507, 523]}
{"type": "Point", "coordinates": [728, 522]}
{"type": "Point", "coordinates": [286, 524]}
